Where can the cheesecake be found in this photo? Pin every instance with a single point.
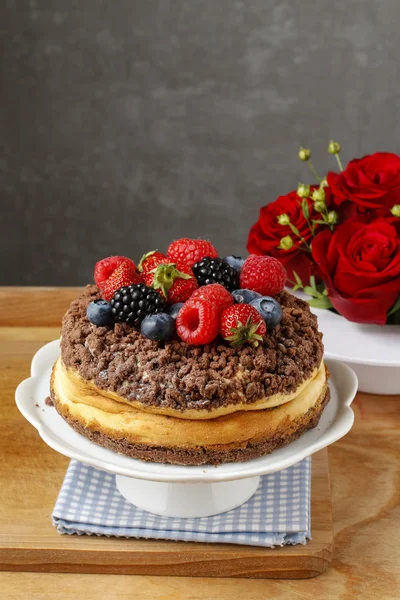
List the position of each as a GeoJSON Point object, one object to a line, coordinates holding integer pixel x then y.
{"type": "Point", "coordinates": [170, 401]}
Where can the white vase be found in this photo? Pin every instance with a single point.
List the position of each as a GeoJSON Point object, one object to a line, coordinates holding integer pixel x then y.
{"type": "Point", "coordinates": [372, 351]}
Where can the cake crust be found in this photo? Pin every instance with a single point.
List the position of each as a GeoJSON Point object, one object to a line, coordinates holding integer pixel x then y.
{"type": "Point", "coordinates": [200, 455]}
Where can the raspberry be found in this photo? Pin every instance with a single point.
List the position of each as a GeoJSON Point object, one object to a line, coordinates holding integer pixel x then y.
{"type": "Point", "coordinates": [242, 323]}
{"type": "Point", "coordinates": [106, 267]}
{"type": "Point", "coordinates": [216, 294]}
{"type": "Point", "coordinates": [263, 274]}
{"type": "Point", "coordinates": [125, 275]}
{"type": "Point", "coordinates": [190, 251]}
{"type": "Point", "coordinates": [151, 260]}
{"type": "Point", "coordinates": [198, 322]}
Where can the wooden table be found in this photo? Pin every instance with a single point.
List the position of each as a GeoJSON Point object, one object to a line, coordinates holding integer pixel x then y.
{"type": "Point", "coordinates": [365, 474]}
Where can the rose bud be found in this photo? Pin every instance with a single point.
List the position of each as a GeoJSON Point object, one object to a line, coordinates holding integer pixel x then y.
{"type": "Point", "coordinates": [303, 191]}
{"type": "Point", "coordinates": [286, 243]}
{"type": "Point", "coordinates": [318, 194]}
{"type": "Point", "coordinates": [334, 147]}
{"type": "Point", "coordinates": [283, 220]}
{"type": "Point", "coordinates": [304, 154]}
{"type": "Point", "coordinates": [395, 210]}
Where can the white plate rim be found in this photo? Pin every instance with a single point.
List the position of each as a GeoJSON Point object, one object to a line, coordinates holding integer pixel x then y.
{"type": "Point", "coordinates": [46, 356]}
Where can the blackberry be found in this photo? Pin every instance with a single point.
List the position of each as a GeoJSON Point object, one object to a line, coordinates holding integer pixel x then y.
{"type": "Point", "coordinates": [216, 270]}
{"type": "Point", "coordinates": [131, 304]}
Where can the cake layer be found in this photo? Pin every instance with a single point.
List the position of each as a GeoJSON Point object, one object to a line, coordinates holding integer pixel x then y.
{"type": "Point", "coordinates": [120, 423]}
{"type": "Point", "coordinates": [88, 393]}
{"type": "Point", "coordinates": [174, 377]}
{"type": "Point", "coordinates": [202, 456]}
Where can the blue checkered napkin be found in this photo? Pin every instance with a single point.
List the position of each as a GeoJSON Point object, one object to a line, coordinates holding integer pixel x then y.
{"type": "Point", "coordinates": [278, 514]}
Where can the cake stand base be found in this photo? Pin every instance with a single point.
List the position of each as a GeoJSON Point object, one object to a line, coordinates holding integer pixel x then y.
{"type": "Point", "coordinates": [186, 500]}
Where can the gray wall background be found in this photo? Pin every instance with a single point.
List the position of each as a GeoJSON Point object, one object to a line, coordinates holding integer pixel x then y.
{"type": "Point", "coordinates": [125, 124]}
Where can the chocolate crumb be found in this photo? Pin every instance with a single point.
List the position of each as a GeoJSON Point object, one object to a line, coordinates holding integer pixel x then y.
{"type": "Point", "coordinates": [176, 375]}
{"type": "Point", "coordinates": [48, 401]}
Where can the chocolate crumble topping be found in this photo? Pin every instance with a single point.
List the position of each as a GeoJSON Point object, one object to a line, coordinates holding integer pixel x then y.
{"type": "Point", "coordinates": [174, 374]}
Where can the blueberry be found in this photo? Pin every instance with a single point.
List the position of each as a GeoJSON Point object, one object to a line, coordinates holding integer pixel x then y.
{"type": "Point", "coordinates": [158, 327]}
{"type": "Point", "coordinates": [245, 296]}
{"type": "Point", "coordinates": [174, 309]}
{"type": "Point", "coordinates": [99, 313]}
{"type": "Point", "coordinates": [269, 309]}
{"type": "Point", "coordinates": [235, 261]}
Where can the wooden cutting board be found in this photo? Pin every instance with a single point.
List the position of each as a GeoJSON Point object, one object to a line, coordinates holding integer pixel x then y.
{"type": "Point", "coordinates": [31, 475]}
{"type": "Point", "coordinates": [29, 542]}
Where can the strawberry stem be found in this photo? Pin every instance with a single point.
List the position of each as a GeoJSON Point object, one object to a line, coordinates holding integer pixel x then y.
{"type": "Point", "coordinates": [165, 275]}
{"type": "Point", "coordinates": [243, 333]}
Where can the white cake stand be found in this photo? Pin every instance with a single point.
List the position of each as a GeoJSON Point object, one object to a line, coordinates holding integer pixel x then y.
{"type": "Point", "coordinates": [181, 491]}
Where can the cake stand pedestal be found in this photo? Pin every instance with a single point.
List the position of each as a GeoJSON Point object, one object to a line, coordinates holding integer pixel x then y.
{"type": "Point", "coordinates": [186, 500]}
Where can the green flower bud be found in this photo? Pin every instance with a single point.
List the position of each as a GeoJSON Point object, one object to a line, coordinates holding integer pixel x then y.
{"type": "Point", "coordinates": [395, 210]}
{"type": "Point", "coordinates": [332, 217]}
{"type": "Point", "coordinates": [324, 183]}
{"type": "Point", "coordinates": [286, 243]}
{"type": "Point", "coordinates": [319, 206]}
{"type": "Point", "coordinates": [334, 147]}
{"type": "Point", "coordinates": [304, 154]}
{"type": "Point", "coordinates": [283, 219]}
{"type": "Point", "coordinates": [303, 190]}
{"type": "Point", "coordinates": [318, 195]}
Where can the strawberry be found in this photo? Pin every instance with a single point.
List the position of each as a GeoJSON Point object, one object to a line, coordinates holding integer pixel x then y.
{"type": "Point", "coordinates": [149, 274]}
{"type": "Point", "coordinates": [175, 282]}
{"type": "Point", "coordinates": [106, 267]}
{"type": "Point", "coordinates": [215, 293]}
{"type": "Point", "coordinates": [126, 274]}
{"type": "Point", "coordinates": [242, 323]}
{"type": "Point", "coordinates": [182, 289]}
{"type": "Point", "coordinates": [190, 251]}
{"type": "Point", "coordinates": [151, 260]}
{"type": "Point", "coordinates": [263, 274]}
{"type": "Point", "coordinates": [198, 322]}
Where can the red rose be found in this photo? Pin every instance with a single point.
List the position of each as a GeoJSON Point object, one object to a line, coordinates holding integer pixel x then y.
{"type": "Point", "coordinates": [360, 265]}
{"type": "Point", "coordinates": [266, 234]}
{"type": "Point", "coordinates": [371, 182]}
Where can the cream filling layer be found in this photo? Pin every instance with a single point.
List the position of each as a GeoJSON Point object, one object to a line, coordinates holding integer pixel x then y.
{"type": "Point", "coordinates": [137, 426]}
{"type": "Point", "coordinates": [91, 394]}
